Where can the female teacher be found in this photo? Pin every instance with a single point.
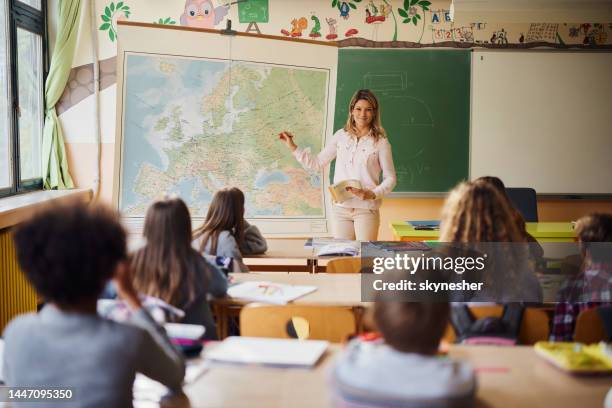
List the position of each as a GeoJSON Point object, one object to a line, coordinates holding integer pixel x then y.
{"type": "Point", "coordinates": [362, 152]}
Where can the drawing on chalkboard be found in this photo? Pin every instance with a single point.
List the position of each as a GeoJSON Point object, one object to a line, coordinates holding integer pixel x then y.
{"type": "Point", "coordinates": [394, 85]}
{"type": "Point", "coordinates": [253, 11]}
{"type": "Point", "coordinates": [415, 168]}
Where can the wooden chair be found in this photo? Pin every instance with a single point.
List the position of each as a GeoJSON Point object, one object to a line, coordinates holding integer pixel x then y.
{"type": "Point", "coordinates": [344, 265]}
{"type": "Point", "coordinates": [589, 327]}
{"type": "Point", "coordinates": [534, 327]}
{"type": "Point", "coordinates": [330, 323]}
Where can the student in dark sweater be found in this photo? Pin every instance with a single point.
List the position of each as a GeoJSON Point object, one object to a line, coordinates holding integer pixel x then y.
{"type": "Point", "coordinates": [69, 252]}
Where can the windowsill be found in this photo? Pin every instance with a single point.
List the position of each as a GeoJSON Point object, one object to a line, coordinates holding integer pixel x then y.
{"type": "Point", "coordinates": [16, 209]}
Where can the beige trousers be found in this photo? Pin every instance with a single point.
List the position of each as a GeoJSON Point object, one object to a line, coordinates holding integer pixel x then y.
{"type": "Point", "coordinates": [359, 223]}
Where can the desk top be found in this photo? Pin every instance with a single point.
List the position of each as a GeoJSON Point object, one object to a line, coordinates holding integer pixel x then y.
{"type": "Point", "coordinates": [335, 289]}
{"type": "Point", "coordinates": [507, 377]}
{"type": "Point", "coordinates": [549, 231]}
{"type": "Point", "coordinates": [288, 248]}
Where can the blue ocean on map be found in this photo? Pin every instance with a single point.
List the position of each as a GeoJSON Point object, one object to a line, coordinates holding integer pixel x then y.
{"type": "Point", "coordinates": [191, 187]}
{"type": "Point", "coordinates": [273, 177]}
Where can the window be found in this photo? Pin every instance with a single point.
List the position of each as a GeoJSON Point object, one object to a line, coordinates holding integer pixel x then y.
{"type": "Point", "coordinates": [23, 65]}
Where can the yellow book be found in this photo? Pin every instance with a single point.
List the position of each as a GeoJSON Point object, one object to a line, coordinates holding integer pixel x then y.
{"type": "Point", "coordinates": [338, 190]}
{"type": "Point", "coordinates": [577, 358]}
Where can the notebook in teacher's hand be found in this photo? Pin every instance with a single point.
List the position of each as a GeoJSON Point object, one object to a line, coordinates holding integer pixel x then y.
{"type": "Point", "coordinates": [269, 292]}
{"type": "Point", "coordinates": [276, 352]}
{"type": "Point", "coordinates": [338, 190]}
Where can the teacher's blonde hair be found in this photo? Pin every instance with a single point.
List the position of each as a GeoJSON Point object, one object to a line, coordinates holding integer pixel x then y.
{"type": "Point", "coordinates": [377, 130]}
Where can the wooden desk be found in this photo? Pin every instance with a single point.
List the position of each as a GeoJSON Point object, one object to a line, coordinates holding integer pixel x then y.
{"type": "Point", "coordinates": [542, 231]}
{"type": "Point", "coordinates": [507, 377]}
{"type": "Point", "coordinates": [332, 290]}
{"type": "Point", "coordinates": [283, 255]}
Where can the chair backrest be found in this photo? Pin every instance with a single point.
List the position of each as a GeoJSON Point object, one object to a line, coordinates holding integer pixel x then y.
{"type": "Point", "coordinates": [331, 323]}
{"type": "Point", "coordinates": [534, 326]}
{"type": "Point", "coordinates": [605, 313]}
{"type": "Point", "coordinates": [347, 264]}
{"type": "Point", "coordinates": [525, 201]}
{"type": "Point", "coordinates": [589, 327]}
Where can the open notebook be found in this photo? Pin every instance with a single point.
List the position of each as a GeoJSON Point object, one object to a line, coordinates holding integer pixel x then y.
{"type": "Point", "coordinates": [276, 352]}
{"type": "Point", "coordinates": [269, 292]}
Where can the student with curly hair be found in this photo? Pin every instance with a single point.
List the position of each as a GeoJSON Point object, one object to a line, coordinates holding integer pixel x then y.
{"type": "Point", "coordinates": [534, 247]}
{"type": "Point", "coordinates": [69, 252]}
{"type": "Point", "coordinates": [168, 267]}
{"type": "Point", "coordinates": [479, 218]}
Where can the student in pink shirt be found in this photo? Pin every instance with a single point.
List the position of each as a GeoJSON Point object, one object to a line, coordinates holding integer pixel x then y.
{"type": "Point", "coordinates": [362, 152]}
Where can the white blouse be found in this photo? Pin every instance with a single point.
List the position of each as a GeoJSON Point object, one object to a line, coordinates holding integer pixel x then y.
{"type": "Point", "coordinates": [361, 159]}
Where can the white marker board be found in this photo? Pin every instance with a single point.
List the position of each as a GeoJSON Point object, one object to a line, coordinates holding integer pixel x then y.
{"type": "Point", "coordinates": [543, 119]}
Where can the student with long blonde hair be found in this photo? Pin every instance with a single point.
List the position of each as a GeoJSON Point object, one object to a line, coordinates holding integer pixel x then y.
{"type": "Point", "coordinates": [362, 152]}
{"type": "Point", "coordinates": [225, 232]}
{"type": "Point", "coordinates": [169, 268]}
{"type": "Point", "coordinates": [476, 212]}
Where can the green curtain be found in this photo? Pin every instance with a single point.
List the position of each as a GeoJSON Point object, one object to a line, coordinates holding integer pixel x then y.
{"type": "Point", "coordinates": [54, 163]}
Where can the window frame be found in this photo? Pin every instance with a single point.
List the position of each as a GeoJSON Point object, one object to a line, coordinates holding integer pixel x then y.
{"type": "Point", "coordinates": [21, 15]}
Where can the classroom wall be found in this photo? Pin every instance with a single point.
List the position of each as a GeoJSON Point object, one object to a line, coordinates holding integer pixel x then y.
{"type": "Point", "coordinates": [376, 23]}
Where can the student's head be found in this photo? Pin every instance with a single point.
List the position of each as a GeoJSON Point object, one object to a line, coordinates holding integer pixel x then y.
{"type": "Point", "coordinates": [595, 236]}
{"type": "Point", "coordinates": [364, 111]}
{"type": "Point", "coordinates": [477, 212]}
{"type": "Point", "coordinates": [165, 267]}
{"type": "Point", "coordinates": [495, 182]}
{"type": "Point", "coordinates": [69, 251]}
{"type": "Point", "coordinates": [225, 213]}
{"type": "Point", "coordinates": [412, 327]}
{"type": "Point", "coordinates": [168, 223]}
{"type": "Point", "coordinates": [501, 188]}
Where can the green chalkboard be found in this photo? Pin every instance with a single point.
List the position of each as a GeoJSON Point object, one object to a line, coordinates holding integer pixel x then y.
{"type": "Point", "coordinates": [253, 11]}
{"type": "Point", "coordinates": [424, 97]}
